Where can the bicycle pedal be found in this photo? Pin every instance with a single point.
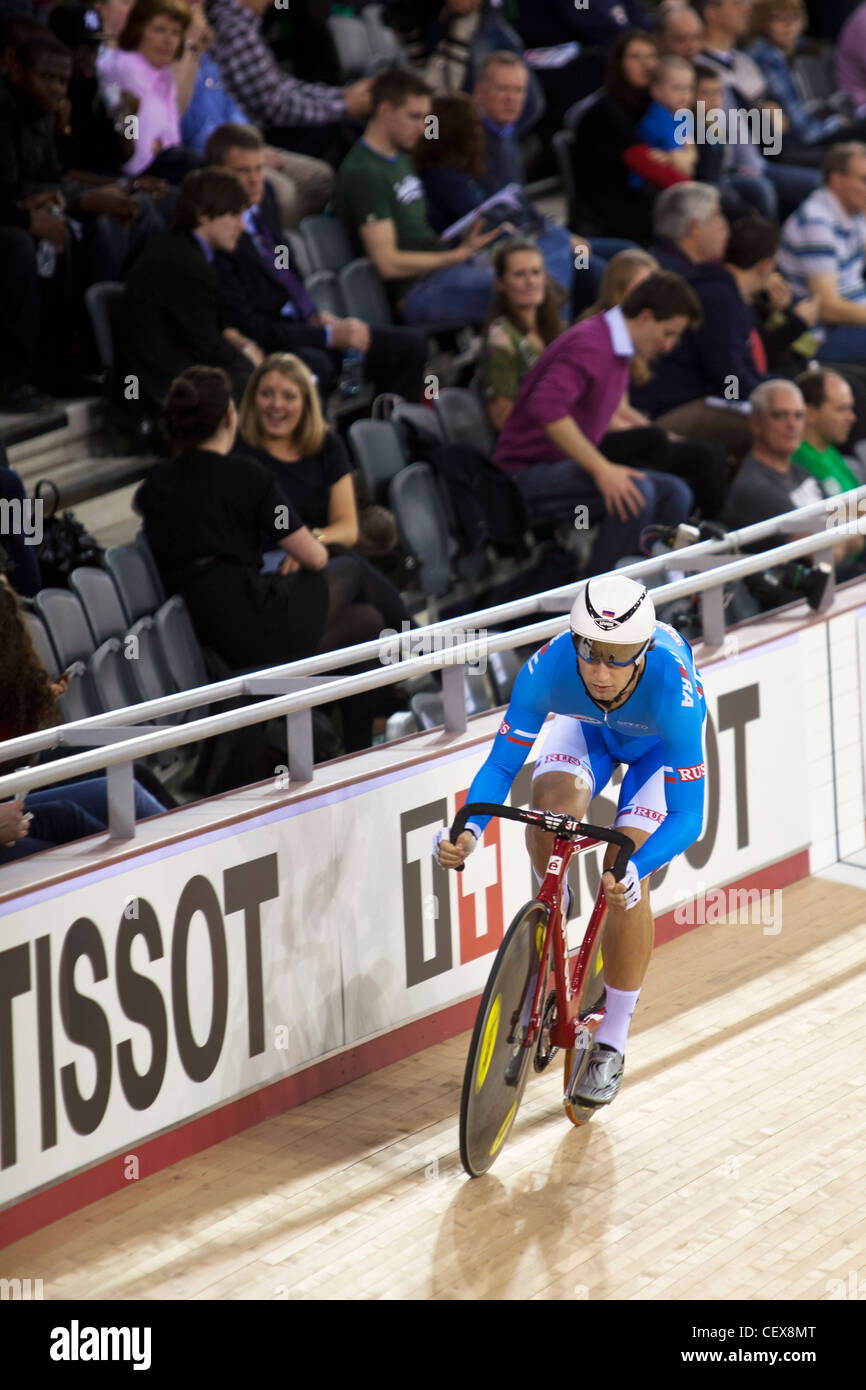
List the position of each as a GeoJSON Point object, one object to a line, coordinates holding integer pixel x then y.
{"type": "Point", "coordinates": [578, 1114]}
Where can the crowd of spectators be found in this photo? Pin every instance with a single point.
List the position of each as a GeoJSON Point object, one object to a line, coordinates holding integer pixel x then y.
{"type": "Point", "coordinates": [686, 342]}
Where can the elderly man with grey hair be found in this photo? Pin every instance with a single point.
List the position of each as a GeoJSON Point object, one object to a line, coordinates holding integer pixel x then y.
{"type": "Point", "coordinates": [697, 391]}
{"type": "Point", "coordinates": [689, 227]}
{"type": "Point", "coordinates": [769, 484]}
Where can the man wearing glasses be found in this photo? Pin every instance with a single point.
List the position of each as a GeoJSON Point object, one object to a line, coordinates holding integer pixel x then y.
{"type": "Point", "coordinates": [624, 689]}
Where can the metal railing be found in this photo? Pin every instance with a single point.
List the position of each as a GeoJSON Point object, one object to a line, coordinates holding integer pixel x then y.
{"type": "Point", "coordinates": [296, 688]}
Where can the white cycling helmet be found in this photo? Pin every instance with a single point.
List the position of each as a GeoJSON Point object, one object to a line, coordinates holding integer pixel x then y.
{"type": "Point", "coordinates": [616, 611]}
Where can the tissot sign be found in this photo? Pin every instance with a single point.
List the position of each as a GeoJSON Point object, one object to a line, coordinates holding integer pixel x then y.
{"type": "Point", "coordinates": [152, 991]}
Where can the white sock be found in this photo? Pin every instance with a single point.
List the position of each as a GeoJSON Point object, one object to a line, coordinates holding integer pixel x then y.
{"type": "Point", "coordinates": [619, 1006]}
{"type": "Point", "coordinates": [567, 904]}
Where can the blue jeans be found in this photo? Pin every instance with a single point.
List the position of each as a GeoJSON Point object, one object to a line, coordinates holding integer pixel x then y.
{"type": "Point", "coordinates": [555, 246]}
{"type": "Point", "coordinates": [756, 193]}
{"type": "Point", "coordinates": [846, 342]}
{"type": "Point", "coordinates": [92, 797]}
{"type": "Point", "coordinates": [457, 292]}
{"type": "Point", "coordinates": [71, 812]}
{"type": "Point", "coordinates": [553, 491]}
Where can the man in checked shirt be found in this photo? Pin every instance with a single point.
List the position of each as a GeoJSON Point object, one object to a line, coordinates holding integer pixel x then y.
{"type": "Point", "coordinates": [278, 103]}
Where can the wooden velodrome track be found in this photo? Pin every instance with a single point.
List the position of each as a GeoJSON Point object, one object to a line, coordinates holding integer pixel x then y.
{"type": "Point", "coordinates": [732, 1164]}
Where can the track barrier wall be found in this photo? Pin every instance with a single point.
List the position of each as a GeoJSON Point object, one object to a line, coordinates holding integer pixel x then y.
{"type": "Point", "coordinates": [152, 1006]}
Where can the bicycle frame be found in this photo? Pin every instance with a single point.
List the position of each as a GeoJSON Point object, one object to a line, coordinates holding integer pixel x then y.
{"type": "Point", "coordinates": [570, 838]}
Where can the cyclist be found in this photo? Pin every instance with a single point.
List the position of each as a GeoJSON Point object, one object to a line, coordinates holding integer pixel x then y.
{"type": "Point", "coordinates": [624, 689]}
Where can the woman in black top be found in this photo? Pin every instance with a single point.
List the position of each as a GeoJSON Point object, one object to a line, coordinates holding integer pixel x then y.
{"type": "Point", "coordinates": [209, 514]}
{"type": "Point", "coordinates": [605, 131]}
{"type": "Point", "coordinates": [282, 427]}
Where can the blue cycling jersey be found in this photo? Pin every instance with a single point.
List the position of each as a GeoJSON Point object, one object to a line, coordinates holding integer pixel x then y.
{"type": "Point", "coordinates": [665, 712]}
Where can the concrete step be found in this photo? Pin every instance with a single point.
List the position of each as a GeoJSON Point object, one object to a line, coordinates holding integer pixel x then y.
{"type": "Point", "coordinates": [86, 479]}
{"type": "Point", "coordinates": [109, 518]}
{"type": "Point", "coordinates": [44, 441]}
{"type": "Point", "coordinates": [71, 449]}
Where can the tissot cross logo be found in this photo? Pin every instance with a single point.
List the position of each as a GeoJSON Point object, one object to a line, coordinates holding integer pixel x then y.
{"type": "Point", "coordinates": [427, 888]}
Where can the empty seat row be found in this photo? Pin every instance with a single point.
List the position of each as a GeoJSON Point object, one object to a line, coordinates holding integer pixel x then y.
{"type": "Point", "coordinates": [409, 487]}
{"type": "Point", "coordinates": [101, 603]}
{"type": "Point", "coordinates": [124, 642]}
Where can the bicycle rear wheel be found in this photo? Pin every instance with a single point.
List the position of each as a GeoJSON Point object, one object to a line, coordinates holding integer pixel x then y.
{"type": "Point", "coordinates": [497, 1066]}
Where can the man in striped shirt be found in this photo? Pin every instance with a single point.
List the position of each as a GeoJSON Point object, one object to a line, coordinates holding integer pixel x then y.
{"type": "Point", "coordinates": [822, 252]}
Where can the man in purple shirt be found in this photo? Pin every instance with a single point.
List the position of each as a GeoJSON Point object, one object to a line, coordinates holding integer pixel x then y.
{"type": "Point", "coordinates": [851, 59]}
{"type": "Point", "coordinates": [549, 442]}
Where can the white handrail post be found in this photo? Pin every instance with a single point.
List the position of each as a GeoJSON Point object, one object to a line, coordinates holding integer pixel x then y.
{"type": "Point", "coordinates": [454, 697]}
{"type": "Point", "coordinates": [120, 785]}
{"type": "Point", "coordinates": [299, 738]}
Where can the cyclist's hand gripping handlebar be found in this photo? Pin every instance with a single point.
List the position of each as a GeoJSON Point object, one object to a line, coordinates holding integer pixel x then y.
{"type": "Point", "coordinates": [553, 821]}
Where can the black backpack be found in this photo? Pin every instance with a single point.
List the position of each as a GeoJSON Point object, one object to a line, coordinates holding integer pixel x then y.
{"type": "Point", "coordinates": [65, 543]}
{"type": "Point", "coordinates": [483, 504]}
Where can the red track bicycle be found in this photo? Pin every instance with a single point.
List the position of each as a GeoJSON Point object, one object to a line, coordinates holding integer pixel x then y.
{"type": "Point", "coordinates": [520, 1018]}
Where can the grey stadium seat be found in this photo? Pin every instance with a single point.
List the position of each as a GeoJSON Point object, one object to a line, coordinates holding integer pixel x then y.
{"type": "Point", "coordinates": [326, 241]}
{"type": "Point", "coordinates": [417, 505]}
{"type": "Point", "coordinates": [141, 543]}
{"type": "Point", "coordinates": [101, 602]}
{"type": "Point", "coordinates": [575, 114]}
{"type": "Point", "coordinates": [364, 293]}
{"type": "Point", "coordinates": [299, 256]}
{"type": "Point", "coordinates": [378, 451]}
{"type": "Point", "coordinates": [111, 674]}
{"type": "Point", "coordinates": [81, 700]}
{"type": "Point", "coordinates": [385, 45]}
{"type": "Point", "coordinates": [131, 573]}
{"type": "Point", "coordinates": [43, 644]}
{"type": "Point", "coordinates": [324, 288]}
{"type": "Point", "coordinates": [351, 40]}
{"type": "Point", "coordinates": [181, 645]}
{"type": "Point", "coordinates": [150, 669]}
{"type": "Point", "coordinates": [68, 628]}
{"type": "Point", "coordinates": [464, 419]}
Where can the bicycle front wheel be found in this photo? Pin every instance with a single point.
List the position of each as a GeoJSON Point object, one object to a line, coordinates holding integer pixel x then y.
{"type": "Point", "coordinates": [498, 1063]}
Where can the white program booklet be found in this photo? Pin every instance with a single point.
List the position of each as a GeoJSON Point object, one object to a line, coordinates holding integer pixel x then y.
{"type": "Point", "coordinates": [509, 197]}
